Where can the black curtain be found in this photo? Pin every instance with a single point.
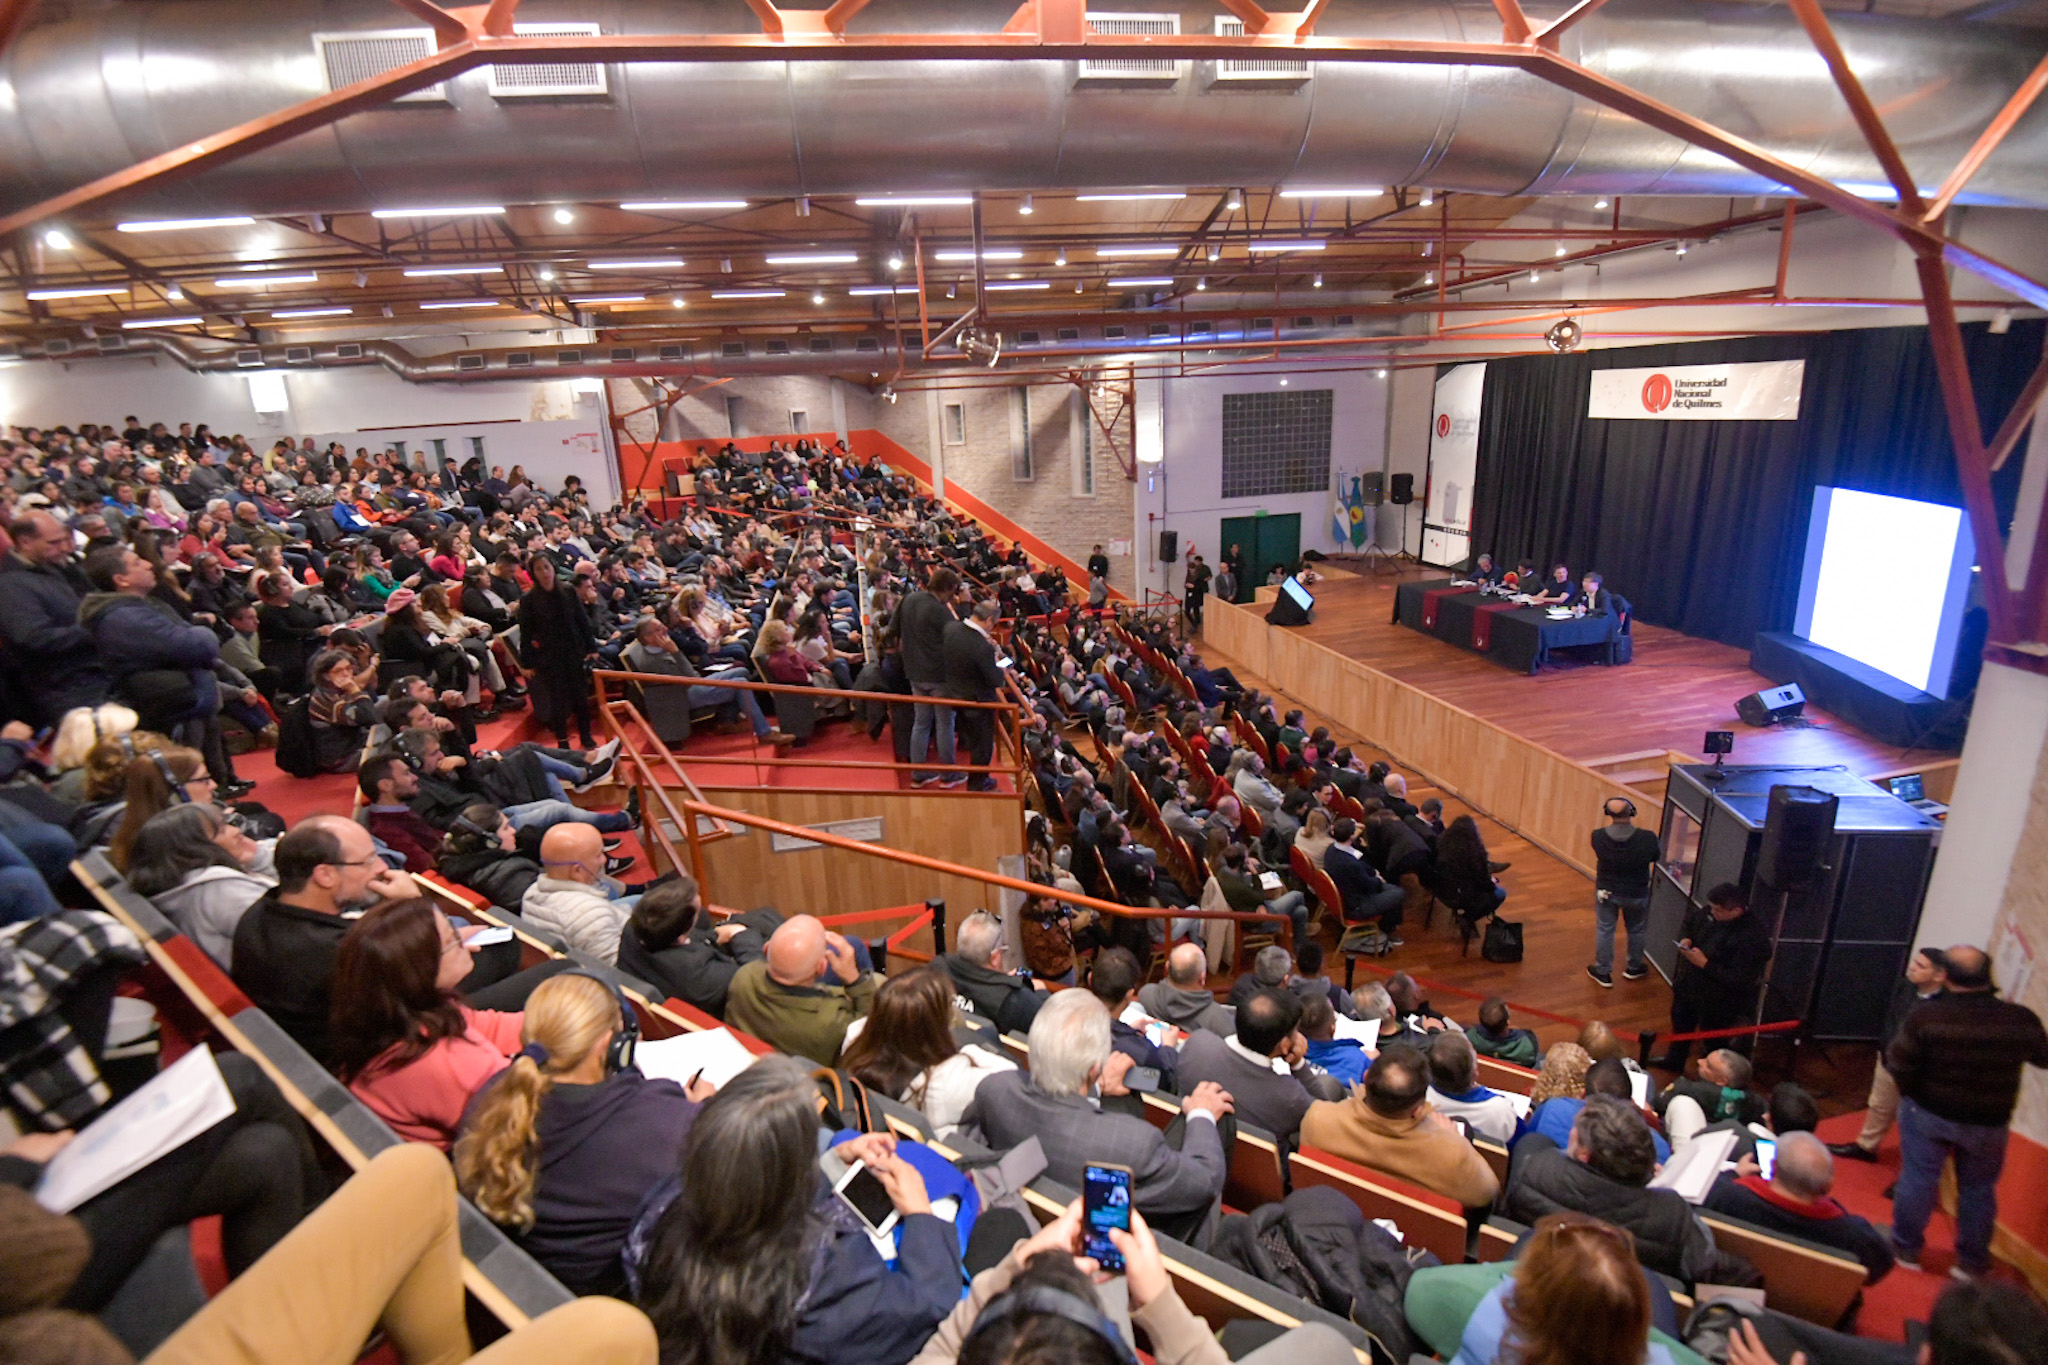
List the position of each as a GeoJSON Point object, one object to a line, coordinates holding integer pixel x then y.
{"type": "Point", "coordinates": [1702, 525]}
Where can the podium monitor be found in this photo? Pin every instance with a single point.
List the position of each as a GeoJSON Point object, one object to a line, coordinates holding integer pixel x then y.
{"type": "Point", "coordinates": [1294, 606]}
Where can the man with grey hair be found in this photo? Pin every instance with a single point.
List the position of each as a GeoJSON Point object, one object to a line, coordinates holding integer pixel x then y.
{"type": "Point", "coordinates": [976, 966]}
{"type": "Point", "coordinates": [1795, 1199]}
{"type": "Point", "coordinates": [972, 674]}
{"type": "Point", "coordinates": [1269, 968]}
{"type": "Point", "coordinates": [1184, 998]}
{"type": "Point", "coordinates": [1178, 1190]}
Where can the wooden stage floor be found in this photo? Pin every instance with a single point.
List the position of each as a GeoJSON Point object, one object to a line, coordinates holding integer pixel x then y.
{"type": "Point", "coordinates": [1676, 688]}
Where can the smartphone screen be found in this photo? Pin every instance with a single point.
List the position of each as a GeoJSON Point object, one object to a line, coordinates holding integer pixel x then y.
{"type": "Point", "coordinates": [868, 1197]}
{"type": "Point", "coordinates": [1105, 1204]}
{"type": "Point", "coordinates": [1766, 1157]}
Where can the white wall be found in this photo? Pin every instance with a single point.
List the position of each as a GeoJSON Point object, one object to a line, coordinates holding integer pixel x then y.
{"type": "Point", "coordinates": [1184, 491]}
{"type": "Point", "coordinates": [548, 451]}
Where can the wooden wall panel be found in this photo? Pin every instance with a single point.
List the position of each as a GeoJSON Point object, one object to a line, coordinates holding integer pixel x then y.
{"type": "Point", "coordinates": [972, 831]}
{"type": "Point", "coordinates": [1238, 632]}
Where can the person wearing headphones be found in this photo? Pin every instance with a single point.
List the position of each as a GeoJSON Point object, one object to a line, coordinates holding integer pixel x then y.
{"type": "Point", "coordinates": [1623, 856]}
{"type": "Point", "coordinates": [562, 1148]}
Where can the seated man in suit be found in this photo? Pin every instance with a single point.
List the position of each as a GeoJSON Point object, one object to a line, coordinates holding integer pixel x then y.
{"type": "Point", "coordinates": [1178, 1190]}
{"type": "Point", "coordinates": [1366, 897]}
{"type": "Point", "coordinates": [1484, 570]}
{"type": "Point", "coordinates": [1264, 1066]}
{"type": "Point", "coordinates": [1388, 1125]}
{"type": "Point", "coordinates": [1593, 593]}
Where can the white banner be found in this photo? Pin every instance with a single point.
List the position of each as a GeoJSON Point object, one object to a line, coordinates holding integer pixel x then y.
{"type": "Point", "coordinates": [1767, 392]}
{"type": "Point", "coordinates": [1453, 465]}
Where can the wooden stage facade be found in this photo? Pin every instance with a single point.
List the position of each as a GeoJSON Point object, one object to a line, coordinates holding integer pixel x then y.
{"type": "Point", "coordinates": [1533, 758]}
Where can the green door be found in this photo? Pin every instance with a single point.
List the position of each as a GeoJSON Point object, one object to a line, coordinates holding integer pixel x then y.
{"type": "Point", "coordinates": [1266, 541]}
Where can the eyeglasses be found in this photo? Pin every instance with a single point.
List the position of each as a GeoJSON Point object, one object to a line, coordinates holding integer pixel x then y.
{"type": "Point", "coordinates": [372, 861]}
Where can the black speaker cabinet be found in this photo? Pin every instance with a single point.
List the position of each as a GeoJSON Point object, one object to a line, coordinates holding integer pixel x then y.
{"type": "Point", "coordinates": [1373, 487]}
{"type": "Point", "coordinates": [1771, 705]}
{"type": "Point", "coordinates": [1401, 489]}
{"type": "Point", "coordinates": [1169, 546]}
{"type": "Point", "coordinates": [1799, 826]}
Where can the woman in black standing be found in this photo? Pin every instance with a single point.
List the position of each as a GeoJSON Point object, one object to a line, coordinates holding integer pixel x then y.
{"type": "Point", "coordinates": [555, 644]}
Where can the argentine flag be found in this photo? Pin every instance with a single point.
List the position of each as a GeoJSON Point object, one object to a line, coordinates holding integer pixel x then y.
{"type": "Point", "coordinates": [1340, 513]}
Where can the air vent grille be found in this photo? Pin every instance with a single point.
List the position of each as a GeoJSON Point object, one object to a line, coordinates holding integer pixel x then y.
{"type": "Point", "coordinates": [518, 360]}
{"type": "Point", "coordinates": [10, 351]}
{"type": "Point", "coordinates": [249, 357]}
{"type": "Point", "coordinates": [298, 355]}
{"type": "Point", "coordinates": [622, 355]}
{"type": "Point", "coordinates": [1068, 334]}
{"type": "Point", "coordinates": [113, 343]}
{"type": "Point", "coordinates": [1112, 334]}
{"type": "Point", "coordinates": [1262, 324]}
{"type": "Point", "coordinates": [1029, 338]}
{"type": "Point", "coordinates": [673, 351]}
{"type": "Point", "coordinates": [1200, 329]}
{"type": "Point", "coordinates": [549, 78]}
{"type": "Point", "coordinates": [1345, 320]}
{"type": "Point", "coordinates": [1304, 322]}
{"type": "Point", "coordinates": [349, 350]}
{"type": "Point", "coordinates": [353, 57]}
{"type": "Point", "coordinates": [470, 362]}
{"type": "Point", "coordinates": [866, 344]}
{"type": "Point", "coordinates": [1159, 329]}
{"type": "Point", "coordinates": [821, 343]}
{"type": "Point", "coordinates": [568, 357]}
{"type": "Point", "coordinates": [1132, 68]}
{"type": "Point", "coordinates": [733, 350]}
{"type": "Point", "coordinates": [1242, 69]}
{"type": "Point", "coordinates": [778, 347]}
{"type": "Point", "coordinates": [58, 347]}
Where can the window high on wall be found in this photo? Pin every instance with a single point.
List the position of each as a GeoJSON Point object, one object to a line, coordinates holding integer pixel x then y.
{"type": "Point", "coordinates": [1084, 467]}
{"type": "Point", "coordinates": [1276, 442]}
{"type": "Point", "coordinates": [1021, 466]}
{"type": "Point", "coordinates": [953, 424]}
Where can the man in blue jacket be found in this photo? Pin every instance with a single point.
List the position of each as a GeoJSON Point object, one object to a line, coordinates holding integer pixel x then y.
{"type": "Point", "coordinates": [143, 643]}
{"type": "Point", "coordinates": [51, 657]}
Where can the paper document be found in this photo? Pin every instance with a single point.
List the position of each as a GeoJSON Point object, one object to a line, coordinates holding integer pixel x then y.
{"type": "Point", "coordinates": [1269, 881]}
{"type": "Point", "coordinates": [1366, 1031]}
{"type": "Point", "coordinates": [714, 1051]}
{"type": "Point", "coordinates": [1639, 1088]}
{"type": "Point", "coordinates": [1693, 1168]}
{"type": "Point", "coordinates": [1519, 1101]}
{"type": "Point", "coordinates": [183, 1101]}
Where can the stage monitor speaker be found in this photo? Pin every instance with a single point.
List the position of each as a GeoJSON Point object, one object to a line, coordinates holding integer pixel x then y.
{"type": "Point", "coordinates": [1771, 705]}
{"type": "Point", "coordinates": [1401, 489]}
{"type": "Point", "coordinates": [1169, 546]}
{"type": "Point", "coordinates": [1373, 487]}
{"type": "Point", "coordinates": [1799, 825]}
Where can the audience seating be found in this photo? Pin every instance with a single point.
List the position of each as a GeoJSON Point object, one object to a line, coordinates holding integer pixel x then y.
{"type": "Point", "coordinates": [1427, 1220]}
{"type": "Point", "coordinates": [1801, 1278]}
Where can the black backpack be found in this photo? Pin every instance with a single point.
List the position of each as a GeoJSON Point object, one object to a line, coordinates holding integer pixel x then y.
{"type": "Point", "coordinates": [295, 753]}
{"type": "Point", "coordinates": [1319, 1247]}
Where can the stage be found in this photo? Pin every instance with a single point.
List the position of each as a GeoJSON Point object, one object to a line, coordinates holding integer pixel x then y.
{"type": "Point", "coordinates": [1677, 687]}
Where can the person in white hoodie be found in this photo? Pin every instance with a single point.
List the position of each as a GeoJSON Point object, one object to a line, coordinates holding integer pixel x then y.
{"type": "Point", "coordinates": [573, 897]}
{"type": "Point", "coordinates": [202, 871]}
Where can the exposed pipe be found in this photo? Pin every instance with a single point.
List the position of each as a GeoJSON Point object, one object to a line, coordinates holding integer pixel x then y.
{"type": "Point", "coordinates": [89, 96]}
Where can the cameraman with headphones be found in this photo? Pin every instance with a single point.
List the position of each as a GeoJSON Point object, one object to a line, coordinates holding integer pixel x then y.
{"type": "Point", "coordinates": [1624, 856]}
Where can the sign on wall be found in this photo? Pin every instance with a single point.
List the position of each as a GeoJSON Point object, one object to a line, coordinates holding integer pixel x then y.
{"type": "Point", "coordinates": [1453, 466]}
{"type": "Point", "coordinates": [1765, 392]}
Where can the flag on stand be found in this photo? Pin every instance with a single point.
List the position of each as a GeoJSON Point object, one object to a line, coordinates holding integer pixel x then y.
{"type": "Point", "coordinates": [1340, 513]}
{"type": "Point", "coordinates": [1357, 513]}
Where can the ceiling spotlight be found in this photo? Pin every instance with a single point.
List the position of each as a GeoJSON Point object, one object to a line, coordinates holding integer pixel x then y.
{"type": "Point", "coordinates": [678, 302]}
{"type": "Point", "coordinates": [1026, 208]}
{"type": "Point", "coordinates": [1201, 284]}
{"type": "Point", "coordinates": [952, 291]}
{"type": "Point", "coordinates": [1564, 337]}
{"type": "Point", "coordinates": [1235, 201]}
{"type": "Point", "coordinates": [174, 293]}
{"type": "Point", "coordinates": [1534, 276]}
{"type": "Point", "coordinates": [889, 392]}
{"type": "Point", "coordinates": [2001, 322]}
{"type": "Point", "coordinates": [1559, 253]}
{"type": "Point", "coordinates": [725, 266]}
{"type": "Point", "coordinates": [1283, 383]}
{"type": "Point", "coordinates": [803, 206]}
{"type": "Point", "coordinates": [1060, 257]}
{"type": "Point", "coordinates": [818, 297]}
{"type": "Point", "coordinates": [565, 216]}
{"type": "Point", "coordinates": [1683, 248]}
{"type": "Point", "coordinates": [1429, 278]}
{"type": "Point", "coordinates": [895, 261]}
{"type": "Point", "coordinates": [1319, 282]}
{"type": "Point", "coordinates": [363, 279]}
{"type": "Point", "coordinates": [546, 273]}
{"type": "Point", "coordinates": [1600, 203]}
{"type": "Point", "coordinates": [1215, 253]}
{"type": "Point", "coordinates": [1428, 198]}
{"type": "Point", "coordinates": [1077, 286]}
{"type": "Point", "coordinates": [1429, 248]}
{"type": "Point", "coordinates": [57, 239]}
{"type": "Point", "coordinates": [1382, 374]}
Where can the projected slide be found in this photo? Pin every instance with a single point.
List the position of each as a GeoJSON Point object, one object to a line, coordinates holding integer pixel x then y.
{"type": "Point", "coordinates": [1886, 582]}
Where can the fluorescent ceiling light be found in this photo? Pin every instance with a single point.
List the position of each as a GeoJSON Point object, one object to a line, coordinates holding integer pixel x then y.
{"type": "Point", "coordinates": [610, 298]}
{"type": "Point", "coordinates": [1257, 247]}
{"type": "Point", "coordinates": [181, 224]}
{"type": "Point", "coordinates": [457, 212]}
{"type": "Point", "coordinates": [682, 205]}
{"type": "Point", "coordinates": [565, 216]}
{"type": "Point", "coordinates": [1149, 282]}
{"type": "Point", "coordinates": [883, 201]}
{"type": "Point", "coordinates": [749, 293]}
{"type": "Point", "coordinates": [1016, 284]}
{"type": "Point", "coordinates": [816, 258]}
{"type": "Point", "coordinates": [1112, 252]}
{"type": "Point", "coordinates": [1132, 198]}
{"type": "Point", "coordinates": [1364, 192]}
{"type": "Point", "coordinates": [664, 263]}
{"type": "Point", "coordinates": [423, 271]}
{"type": "Point", "coordinates": [262, 281]}
{"type": "Point", "coordinates": [313, 313]}
{"type": "Point", "coordinates": [141, 323]}
{"type": "Point", "coordinates": [83, 291]}
{"type": "Point", "coordinates": [988, 254]}
{"type": "Point", "coordinates": [863, 291]}
{"type": "Point", "coordinates": [463, 303]}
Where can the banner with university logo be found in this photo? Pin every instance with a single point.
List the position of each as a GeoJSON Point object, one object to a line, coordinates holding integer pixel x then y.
{"type": "Point", "coordinates": [1765, 392]}
{"type": "Point", "coordinates": [1453, 466]}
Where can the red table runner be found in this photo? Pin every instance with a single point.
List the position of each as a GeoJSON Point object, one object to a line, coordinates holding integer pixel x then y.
{"type": "Point", "coordinates": [1429, 601]}
{"type": "Point", "coordinates": [1482, 622]}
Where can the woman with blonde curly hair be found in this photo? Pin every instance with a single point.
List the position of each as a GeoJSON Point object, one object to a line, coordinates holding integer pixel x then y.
{"type": "Point", "coordinates": [562, 1148]}
{"type": "Point", "coordinates": [78, 733]}
{"type": "Point", "coordinates": [1563, 1074]}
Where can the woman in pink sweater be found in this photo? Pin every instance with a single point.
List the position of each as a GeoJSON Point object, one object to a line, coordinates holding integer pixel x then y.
{"type": "Point", "coordinates": [403, 1040]}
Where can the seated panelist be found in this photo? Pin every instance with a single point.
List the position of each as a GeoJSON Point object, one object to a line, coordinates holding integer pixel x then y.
{"type": "Point", "coordinates": [1593, 592]}
{"type": "Point", "coordinates": [1560, 591]}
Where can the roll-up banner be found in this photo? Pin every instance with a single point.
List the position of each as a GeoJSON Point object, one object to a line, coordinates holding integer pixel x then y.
{"type": "Point", "coordinates": [1766, 392]}
{"type": "Point", "coordinates": [1453, 464]}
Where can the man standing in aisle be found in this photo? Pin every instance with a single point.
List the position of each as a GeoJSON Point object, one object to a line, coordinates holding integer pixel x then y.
{"type": "Point", "coordinates": [972, 674]}
{"type": "Point", "coordinates": [1197, 588]}
{"type": "Point", "coordinates": [1957, 1060]}
{"type": "Point", "coordinates": [1926, 974]}
{"type": "Point", "coordinates": [1623, 856]}
{"type": "Point", "coordinates": [1722, 954]}
{"type": "Point", "coordinates": [923, 617]}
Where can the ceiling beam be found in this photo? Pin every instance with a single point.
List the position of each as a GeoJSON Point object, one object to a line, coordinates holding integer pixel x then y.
{"type": "Point", "coordinates": [1988, 141]}
{"type": "Point", "coordinates": [1868, 121]}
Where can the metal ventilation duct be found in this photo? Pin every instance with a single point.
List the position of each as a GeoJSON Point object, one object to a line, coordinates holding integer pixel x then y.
{"type": "Point", "coordinates": [92, 95]}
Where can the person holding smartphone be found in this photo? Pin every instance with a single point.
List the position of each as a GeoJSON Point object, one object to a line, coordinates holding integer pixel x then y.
{"type": "Point", "coordinates": [1051, 1267]}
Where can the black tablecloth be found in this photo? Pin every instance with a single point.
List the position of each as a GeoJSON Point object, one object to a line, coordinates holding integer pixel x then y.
{"type": "Point", "coordinates": [1523, 638]}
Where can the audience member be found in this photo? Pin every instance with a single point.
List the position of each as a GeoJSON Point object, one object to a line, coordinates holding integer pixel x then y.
{"type": "Point", "coordinates": [1925, 978]}
{"type": "Point", "coordinates": [1388, 1125]}
{"type": "Point", "coordinates": [1184, 999]}
{"type": "Point", "coordinates": [1344, 1060]}
{"type": "Point", "coordinates": [1263, 1066]}
{"type": "Point", "coordinates": [1492, 1036]}
{"type": "Point", "coordinates": [904, 1047]}
{"type": "Point", "coordinates": [1455, 1091]}
{"type": "Point", "coordinates": [786, 999]}
{"type": "Point", "coordinates": [976, 968]}
{"type": "Point", "coordinates": [670, 941]}
{"type": "Point", "coordinates": [1722, 1091]}
{"type": "Point", "coordinates": [1795, 1200]}
{"type": "Point", "coordinates": [202, 871]}
{"type": "Point", "coordinates": [573, 897]}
